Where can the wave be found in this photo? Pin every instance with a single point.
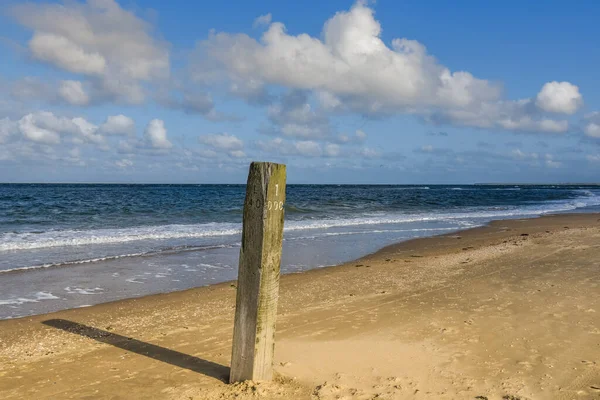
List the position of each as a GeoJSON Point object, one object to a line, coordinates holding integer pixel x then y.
{"type": "Point", "coordinates": [37, 297]}
{"type": "Point", "coordinates": [412, 188]}
{"type": "Point", "coordinates": [68, 238]}
{"type": "Point", "coordinates": [167, 250]}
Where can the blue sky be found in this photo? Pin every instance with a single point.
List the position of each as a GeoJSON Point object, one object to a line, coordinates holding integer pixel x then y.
{"type": "Point", "coordinates": [340, 91]}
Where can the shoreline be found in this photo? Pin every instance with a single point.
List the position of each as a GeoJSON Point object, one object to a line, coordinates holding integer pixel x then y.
{"type": "Point", "coordinates": [377, 302]}
{"type": "Point", "coordinates": [402, 244]}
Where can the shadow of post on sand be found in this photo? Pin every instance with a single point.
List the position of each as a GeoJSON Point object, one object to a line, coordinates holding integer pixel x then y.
{"type": "Point", "coordinates": [155, 352]}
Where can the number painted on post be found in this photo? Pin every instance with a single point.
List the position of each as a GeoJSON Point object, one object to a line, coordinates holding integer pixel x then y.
{"type": "Point", "coordinates": [275, 205]}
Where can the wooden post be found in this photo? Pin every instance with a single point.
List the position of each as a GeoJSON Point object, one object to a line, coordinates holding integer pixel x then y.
{"type": "Point", "coordinates": [258, 275]}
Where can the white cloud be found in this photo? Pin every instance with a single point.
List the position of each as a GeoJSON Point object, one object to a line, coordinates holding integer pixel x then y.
{"type": "Point", "coordinates": [222, 141]}
{"type": "Point", "coordinates": [329, 101]}
{"type": "Point", "coordinates": [73, 93]}
{"type": "Point", "coordinates": [35, 133]}
{"type": "Point", "coordinates": [66, 54]}
{"type": "Point", "coordinates": [359, 137]}
{"type": "Point", "coordinates": [263, 20]}
{"type": "Point", "coordinates": [207, 153]}
{"type": "Point", "coordinates": [342, 64]}
{"type": "Point", "coordinates": [520, 155]}
{"type": "Point", "coordinates": [156, 135]}
{"type": "Point", "coordinates": [305, 148]}
{"type": "Point", "coordinates": [252, 91]}
{"type": "Point", "coordinates": [550, 162]}
{"type": "Point", "coordinates": [45, 127]}
{"type": "Point", "coordinates": [595, 158]}
{"type": "Point", "coordinates": [118, 125]}
{"type": "Point", "coordinates": [369, 152]}
{"type": "Point", "coordinates": [124, 163]}
{"type": "Point", "coordinates": [517, 115]}
{"type": "Point", "coordinates": [536, 159]}
{"type": "Point", "coordinates": [340, 70]}
{"type": "Point", "coordinates": [97, 39]}
{"type": "Point", "coordinates": [7, 129]}
{"type": "Point", "coordinates": [293, 116]}
{"type": "Point", "coordinates": [592, 130]}
{"type": "Point", "coordinates": [592, 125]}
{"type": "Point", "coordinates": [308, 148]}
{"type": "Point", "coordinates": [332, 150]}
{"type": "Point", "coordinates": [559, 97]}
{"type": "Point", "coordinates": [191, 102]}
{"type": "Point", "coordinates": [237, 154]}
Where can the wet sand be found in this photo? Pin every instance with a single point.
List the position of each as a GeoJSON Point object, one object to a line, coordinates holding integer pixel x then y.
{"type": "Point", "coordinates": [510, 310]}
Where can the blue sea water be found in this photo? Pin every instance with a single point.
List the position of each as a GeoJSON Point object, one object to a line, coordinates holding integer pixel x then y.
{"type": "Point", "coordinates": [65, 246]}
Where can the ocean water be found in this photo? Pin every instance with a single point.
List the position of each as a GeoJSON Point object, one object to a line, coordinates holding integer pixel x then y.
{"type": "Point", "coordinates": [65, 246]}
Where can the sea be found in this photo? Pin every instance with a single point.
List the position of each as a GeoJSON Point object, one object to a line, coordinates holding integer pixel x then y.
{"type": "Point", "coordinates": [74, 245]}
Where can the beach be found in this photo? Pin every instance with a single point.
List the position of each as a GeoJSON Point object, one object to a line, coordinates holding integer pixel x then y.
{"type": "Point", "coordinates": [505, 311]}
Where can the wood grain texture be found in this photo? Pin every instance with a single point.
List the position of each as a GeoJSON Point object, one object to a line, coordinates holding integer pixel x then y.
{"type": "Point", "coordinates": [258, 276]}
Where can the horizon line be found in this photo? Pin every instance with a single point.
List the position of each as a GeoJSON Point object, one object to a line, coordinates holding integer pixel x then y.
{"type": "Point", "coordinates": [322, 184]}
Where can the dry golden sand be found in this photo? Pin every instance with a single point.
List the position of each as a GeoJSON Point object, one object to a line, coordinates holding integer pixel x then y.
{"type": "Point", "coordinates": [508, 311]}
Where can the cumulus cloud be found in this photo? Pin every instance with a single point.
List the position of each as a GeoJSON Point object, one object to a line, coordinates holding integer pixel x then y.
{"type": "Point", "coordinates": [237, 154]}
{"type": "Point", "coordinates": [293, 116]}
{"type": "Point", "coordinates": [222, 141]}
{"type": "Point", "coordinates": [262, 20]}
{"type": "Point", "coordinates": [192, 100]}
{"type": "Point", "coordinates": [308, 148]}
{"type": "Point", "coordinates": [359, 137]}
{"type": "Point", "coordinates": [535, 158]}
{"type": "Point", "coordinates": [66, 54]}
{"type": "Point", "coordinates": [304, 148]}
{"type": "Point", "coordinates": [118, 125]}
{"type": "Point", "coordinates": [332, 150]}
{"type": "Point", "coordinates": [73, 93]}
{"type": "Point", "coordinates": [7, 129]}
{"type": "Point", "coordinates": [47, 128]}
{"type": "Point", "coordinates": [253, 91]}
{"type": "Point", "coordinates": [512, 115]}
{"type": "Point", "coordinates": [369, 152]}
{"type": "Point", "coordinates": [592, 130]}
{"type": "Point", "coordinates": [592, 125]}
{"type": "Point", "coordinates": [34, 89]}
{"type": "Point", "coordinates": [339, 70]}
{"type": "Point", "coordinates": [520, 155]}
{"type": "Point", "coordinates": [341, 66]}
{"type": "Point", "coordinates": [97, 39]}
{"type": "Point", "coordinates": [156, 135]}
{"type": "Point", "coordinates": [124, 163]}
{"type": "Point", "coordinates": [559, 97]}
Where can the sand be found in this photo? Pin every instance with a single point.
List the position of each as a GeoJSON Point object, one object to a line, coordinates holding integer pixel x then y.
{"type": "Point", "coordinates": [507, 311]}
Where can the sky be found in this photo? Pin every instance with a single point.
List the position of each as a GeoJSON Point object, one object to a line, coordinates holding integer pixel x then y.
{"type": "Point", "coordinates": [396, 92]}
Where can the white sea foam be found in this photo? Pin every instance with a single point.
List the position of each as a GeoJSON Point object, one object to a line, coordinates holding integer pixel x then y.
{"type": "Point", "coordinates": [112, 258]}
{"type": "Point", "coordinates": [68, 238]}
{"type": "Point", "coordinates": [86, 291]}
{"type": "Point", "coordinates": [36, 298]}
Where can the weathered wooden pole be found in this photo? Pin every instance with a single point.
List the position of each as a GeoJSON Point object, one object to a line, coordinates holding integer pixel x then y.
{"type": "Point", "coordinates": [258, 275]}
